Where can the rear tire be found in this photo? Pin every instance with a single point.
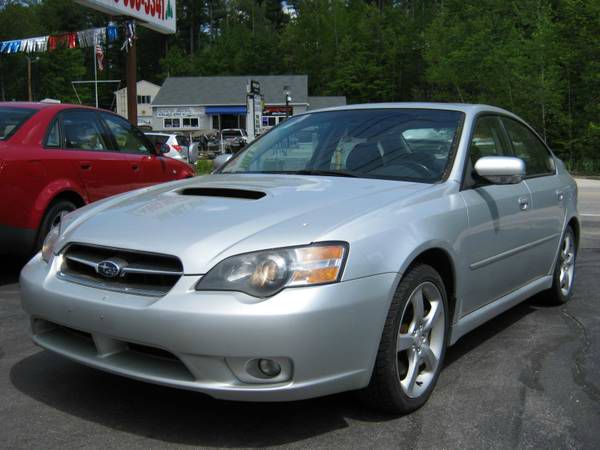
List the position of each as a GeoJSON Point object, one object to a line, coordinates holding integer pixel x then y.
{"type": "Point", "coordinates": [564, 271]}
{"type": "Point", "coordinates": [52, 217]}
{"type": "Point", "coordinates": [413, 344]}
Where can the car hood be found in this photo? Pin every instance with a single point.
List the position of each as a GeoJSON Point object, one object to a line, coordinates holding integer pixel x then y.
{"type": "Point", "coordinates": [203, 226]}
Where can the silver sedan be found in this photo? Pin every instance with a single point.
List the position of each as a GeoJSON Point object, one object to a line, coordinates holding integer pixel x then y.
{"type": "Point", "coordinates": [345, 249]}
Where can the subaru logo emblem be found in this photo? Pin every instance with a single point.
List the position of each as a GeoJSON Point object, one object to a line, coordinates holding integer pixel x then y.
{"type": "Point", "coordinates": [108, 269]}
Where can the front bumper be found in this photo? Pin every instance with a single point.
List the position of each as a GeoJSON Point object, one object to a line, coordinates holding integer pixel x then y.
{"type": "Point", "coordinates": [327, 335]}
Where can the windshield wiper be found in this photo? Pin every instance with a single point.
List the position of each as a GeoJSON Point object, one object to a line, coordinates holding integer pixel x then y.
{"type": "Point", "coordinates": [333, 173]}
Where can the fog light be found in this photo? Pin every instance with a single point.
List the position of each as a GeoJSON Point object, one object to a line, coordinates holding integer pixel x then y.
{"type": "Point", "coordinates": [269, 367]}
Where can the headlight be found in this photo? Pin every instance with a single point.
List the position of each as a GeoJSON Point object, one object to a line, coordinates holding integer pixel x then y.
{"type": "Point", "coordinates": [265, 273]}
{"type": "Point", "coordinates": [50, 242]}
{"type": "Point", "coordinates": [56, 232]}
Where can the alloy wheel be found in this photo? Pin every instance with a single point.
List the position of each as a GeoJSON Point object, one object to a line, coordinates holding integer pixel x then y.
{"type": "Point", "coordinates": [567, 264]}
{"type": "Point", "coordinates": [420, 339]}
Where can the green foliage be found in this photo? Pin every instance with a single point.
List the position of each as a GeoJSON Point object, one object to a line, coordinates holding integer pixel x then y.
{"type": "Point", "coordinates": [204, 166]}
{"type": "Point", "coordinates": [538, 58]}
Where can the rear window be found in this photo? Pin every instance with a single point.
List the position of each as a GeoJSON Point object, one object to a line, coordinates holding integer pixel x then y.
{"type": "Point", "coordinates": [11, 119]}
{"type": "Point", "coordinates": [231, 133]}
{"type": "Point", "coordinates": [157, 139]}
{"type": "Point", "coordinates": [183, 140]}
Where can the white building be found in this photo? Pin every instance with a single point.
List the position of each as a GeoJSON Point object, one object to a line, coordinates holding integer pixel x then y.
{"type": "Point", "coordinates": [146, 92]}
{"type": "Point", "coordinates": [215, 103]}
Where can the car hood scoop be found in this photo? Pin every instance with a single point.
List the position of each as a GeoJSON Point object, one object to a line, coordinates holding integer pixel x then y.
{"type": "Point", "coordinates": [222, 192]}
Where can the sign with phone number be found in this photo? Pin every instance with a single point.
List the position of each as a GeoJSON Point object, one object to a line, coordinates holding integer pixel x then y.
{"type": "Point", "coordinates": [158, 15]}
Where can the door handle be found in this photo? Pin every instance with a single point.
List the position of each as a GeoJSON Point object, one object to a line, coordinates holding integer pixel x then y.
{"type": "Point", "coordinates": [135, 167]}
{"type": "Point", "coordinates": [85, 165]}
{"type": "Point", "coordinates": [560, 195]}
{"type": "Point", "coordinates": [523, 203]}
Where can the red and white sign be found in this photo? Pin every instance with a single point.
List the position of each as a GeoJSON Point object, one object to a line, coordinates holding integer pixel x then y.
{"type": "Point", "coordinates": [158, 15]}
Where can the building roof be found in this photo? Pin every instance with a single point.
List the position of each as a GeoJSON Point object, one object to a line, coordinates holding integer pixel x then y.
{"type": "Point", "coordinates": [325, 102]}
{"type": "Point", "coordinates": [138, 85]}
{"type": "Point", "coordinates": [229, 90]}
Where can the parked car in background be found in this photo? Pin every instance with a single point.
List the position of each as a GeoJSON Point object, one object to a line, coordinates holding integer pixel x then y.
{"type": "Point", "coordinates": [344, 250]}
{"type": "Point", "coordinates": [235, 138]}
{"type": "Point", "coordinates": [178, 144]}
{"type": "Point", "coordinates": [57, 157]}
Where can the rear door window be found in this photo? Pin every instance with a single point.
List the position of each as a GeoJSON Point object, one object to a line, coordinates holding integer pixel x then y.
{"type": "Point", "coordinates": [82, 131]}
{"type": "Point", "coordinates": [53, 136]}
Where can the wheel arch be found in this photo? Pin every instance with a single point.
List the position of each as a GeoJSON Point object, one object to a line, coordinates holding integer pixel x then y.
{"type": "Point", "coordinates": [441, 259]}
{"type": "Point", "coordinates": [59, 189]}
{"type": "Point", "coordinates": [576, 226]}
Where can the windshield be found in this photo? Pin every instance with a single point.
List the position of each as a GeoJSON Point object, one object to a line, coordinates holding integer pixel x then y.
{"type": "Point", "coordinates": [402, 144]}
{"type": "Point", "coordinates": [11, 119]}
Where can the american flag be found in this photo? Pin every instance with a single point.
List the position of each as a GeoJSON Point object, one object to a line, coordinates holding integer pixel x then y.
{"type": "Point", "coordinates": [100, 57]}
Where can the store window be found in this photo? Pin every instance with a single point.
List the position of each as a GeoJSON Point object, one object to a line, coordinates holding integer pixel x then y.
{"type": "Point", "coordinates": [191, 122]}
{"type": "Point", "coordinates": [172, 123]}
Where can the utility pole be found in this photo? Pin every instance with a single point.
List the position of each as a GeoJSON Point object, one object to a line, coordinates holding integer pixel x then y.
{"type": "Point", "coordinates": [132, 84]}
{"type": "Point", "coordinates": [29, 96]}
{"type": "Point", "coordinates": [29, 89]}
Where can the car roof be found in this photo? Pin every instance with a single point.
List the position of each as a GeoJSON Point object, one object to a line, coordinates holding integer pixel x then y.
{"type": "Point", "coordinates": [467, 108]}
{"type": "Point", "coordinates": [52, 106]}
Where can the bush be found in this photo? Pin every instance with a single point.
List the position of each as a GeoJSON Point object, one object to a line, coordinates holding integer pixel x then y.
{"type": "Point", "coordinates": [584, 167]}
{"type": "Point", "coordinates": [204, 166]}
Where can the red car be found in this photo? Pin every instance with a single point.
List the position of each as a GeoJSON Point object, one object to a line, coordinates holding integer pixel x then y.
{"type": "Point", "coordinates": [56, 157]}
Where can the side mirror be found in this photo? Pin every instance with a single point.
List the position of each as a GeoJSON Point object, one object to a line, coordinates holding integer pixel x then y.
{"type": "Point", "coordinates": [501, 169]}
{"type": "Point", "coordinates": [221, 160]}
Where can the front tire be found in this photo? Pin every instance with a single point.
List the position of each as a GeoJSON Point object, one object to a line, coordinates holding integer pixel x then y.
{"type": "Point", "coordinates": [52, 217]}
{"type": "Point", "coordinates": [413, 344]}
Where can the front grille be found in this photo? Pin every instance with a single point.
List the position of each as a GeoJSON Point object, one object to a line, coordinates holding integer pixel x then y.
{"type": "Point", "coordinates": [138, 273]}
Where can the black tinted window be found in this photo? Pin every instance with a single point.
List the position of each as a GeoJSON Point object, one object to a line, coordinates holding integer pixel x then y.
{"type": "Point", "coordinates": [528, 147]}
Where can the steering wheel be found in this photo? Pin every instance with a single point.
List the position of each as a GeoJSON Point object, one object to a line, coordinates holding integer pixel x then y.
{"type": "Point", "coordinates": [418, 167]}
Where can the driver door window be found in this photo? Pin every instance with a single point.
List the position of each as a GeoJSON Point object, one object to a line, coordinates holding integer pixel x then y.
{"type": "Point", "coordinates": [486, 140]}
{"type": "Point", "coordinates": [127, 138]}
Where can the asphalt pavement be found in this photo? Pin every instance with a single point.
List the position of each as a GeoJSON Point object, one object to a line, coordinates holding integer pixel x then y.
{"type": "Point", "coordinates": [528, 379]}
